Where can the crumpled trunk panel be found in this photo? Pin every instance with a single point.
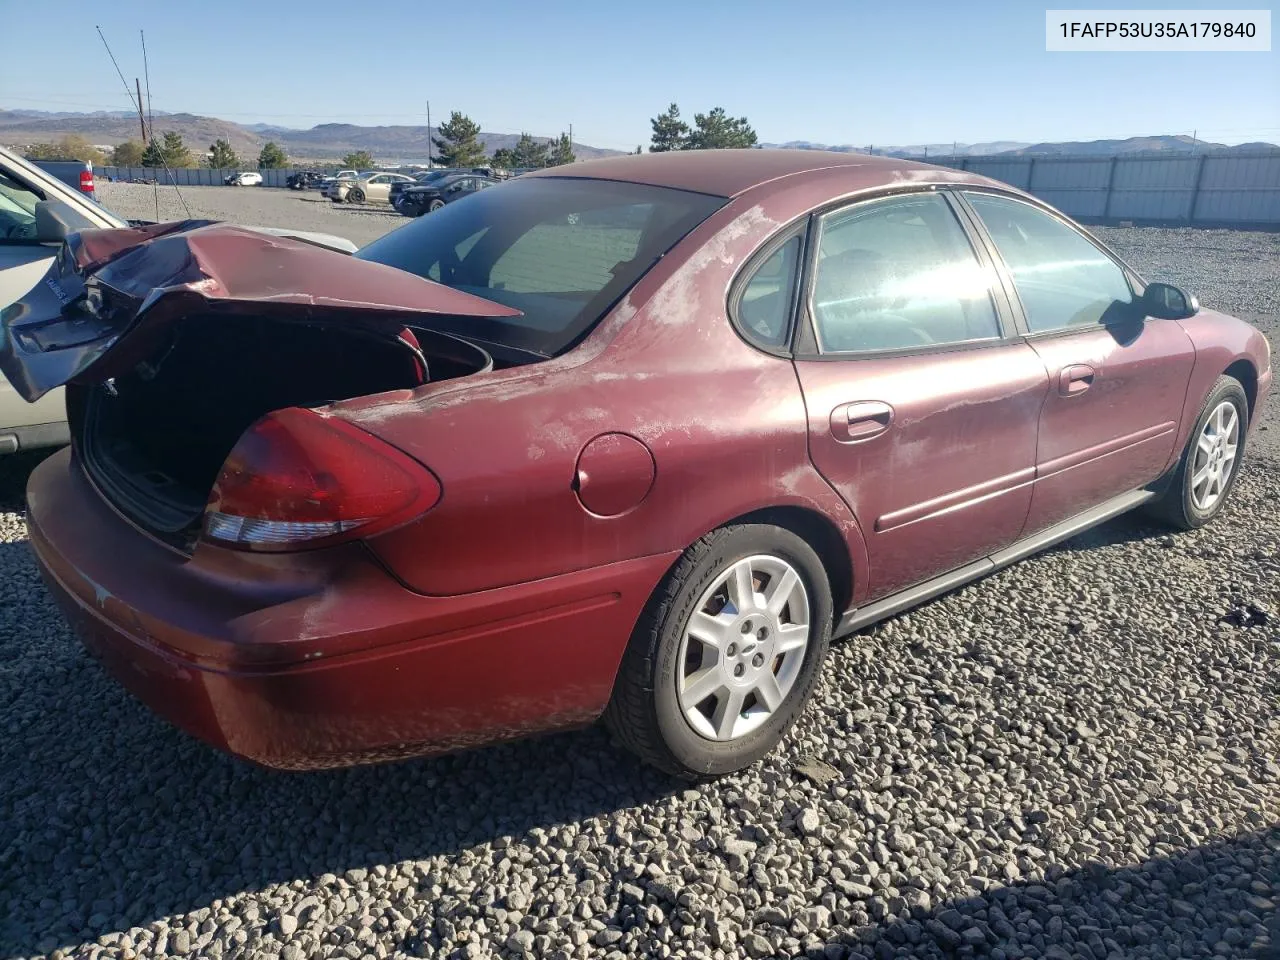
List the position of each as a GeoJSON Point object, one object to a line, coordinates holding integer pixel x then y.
{"type": "Point", "coordinates": [110, 296]}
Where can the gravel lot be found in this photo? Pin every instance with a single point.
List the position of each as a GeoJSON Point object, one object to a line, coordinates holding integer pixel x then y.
{"type": "Point", "coordinates": [259, 206]}
{"type": "Point", "coordinates": [1075, 758]}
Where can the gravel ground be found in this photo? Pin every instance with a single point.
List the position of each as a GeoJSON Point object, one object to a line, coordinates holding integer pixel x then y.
{"type": "Point", "coordinates": [1075, 758]}
{"type": "Point", "coordinates": [259, 206]}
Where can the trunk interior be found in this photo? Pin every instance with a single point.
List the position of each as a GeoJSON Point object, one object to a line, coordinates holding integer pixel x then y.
{"type": "Point", "coordinates": [154, 440]}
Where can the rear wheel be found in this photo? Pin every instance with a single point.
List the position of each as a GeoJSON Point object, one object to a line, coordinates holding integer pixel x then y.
{"type": "Point", "coordinates": [726, 654]}
{"type": "Point", "coordinates": [1207, 471]}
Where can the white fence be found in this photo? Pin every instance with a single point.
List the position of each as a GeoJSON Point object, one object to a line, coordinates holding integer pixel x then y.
{"type": "Point", "coordinates": [1212, 188]}
{"type": "Point", "coordinates": [200, 176]}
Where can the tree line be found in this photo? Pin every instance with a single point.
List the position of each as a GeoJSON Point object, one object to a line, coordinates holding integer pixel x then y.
{"type": "Point", "coordinates": [457, 146]}
{"type": "Point", "coordinates": [168, 150]}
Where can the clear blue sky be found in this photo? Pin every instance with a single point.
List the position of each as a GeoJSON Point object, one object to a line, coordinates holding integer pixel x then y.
{"type": "Point", "coordinates": [834, 72]}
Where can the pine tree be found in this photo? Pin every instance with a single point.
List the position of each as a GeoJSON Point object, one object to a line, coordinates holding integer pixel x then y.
{"type": "Point", "coordinates": [561, 152]}
{"type": "Point", "coordinates": [717, 130]}
{"type": "Point", "coordinates": [272, 157]}
{"type": "Point", "coordinates": [669, 131]}
{"type": "Point", "coordinates": [221, 156]}
{"type": "Point", "coordinates": [457, 143]}
{"type": "Point", "coordinates": [528, 152]}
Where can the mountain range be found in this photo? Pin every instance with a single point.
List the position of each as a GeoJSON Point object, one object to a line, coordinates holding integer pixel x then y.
{"type": "Point", "coordinates": [330, 141]}
{"type": "Point", "coordinates": [1075, 148]}
{"type": "Point", "coordinates": [327, 141]}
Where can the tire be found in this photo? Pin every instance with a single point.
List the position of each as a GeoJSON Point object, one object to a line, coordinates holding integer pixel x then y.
{"type": "Point", "coordinates": [355, 196]}
{"type": "Point", "coordinates": [652, 712]}
{"type": "Point", "coordinates": [434, 205]}
{"type": "Point", "coordinates": [1187, 504]}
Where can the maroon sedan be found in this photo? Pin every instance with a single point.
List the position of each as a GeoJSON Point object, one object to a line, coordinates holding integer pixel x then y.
{"type": "Point", "coordinates": [635, 437]}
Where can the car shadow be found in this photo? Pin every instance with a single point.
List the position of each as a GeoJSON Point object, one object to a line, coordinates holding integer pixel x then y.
{"type": "Point", "coordinates": [1198, 902]}
{"type": "Point", "coordinates": [112, 819]}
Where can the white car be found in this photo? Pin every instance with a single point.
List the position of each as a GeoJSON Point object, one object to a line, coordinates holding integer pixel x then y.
{"type": "Point", "coordinates": [36, 212]}
{"type": "Point", "coordinates": [248, 178]}
{"type": "Point", "coordinates": [372, 188]}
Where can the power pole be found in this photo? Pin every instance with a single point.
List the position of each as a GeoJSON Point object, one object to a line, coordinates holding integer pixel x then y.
{"type": "Point", "coordinates": [430, 144]}
{"type": "Point", "coordinates": [142, 121]}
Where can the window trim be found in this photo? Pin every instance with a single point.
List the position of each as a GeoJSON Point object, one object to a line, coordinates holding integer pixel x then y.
{"type": "Point", "coordinates": [1136, 284]}
{"type": "Point", "coordinates": [742, 279]}
{"type": "Point", "coordinates": [806, 345]}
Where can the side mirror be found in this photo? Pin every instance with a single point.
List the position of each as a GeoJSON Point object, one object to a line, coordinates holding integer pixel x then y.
{"type": "Point", "coordinates": [51, 222]}
{"type": "Point", "coordinates": [55, 221]}
{"type": "Point", "coordinates": [1167, 302]}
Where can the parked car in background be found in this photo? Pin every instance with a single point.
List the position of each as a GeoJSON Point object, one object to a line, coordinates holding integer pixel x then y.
{"type": "Point", "coordinates": [429, 176]}
{"type": "Point", "coordinates": [658, 428]}
{"type": "Point", "coordinates": [415, 200]}
{"type": "Point", "coordinates": [247, 178]}
{"type": "Point", "coordinates": [32, 228]}
{"type": "Point", "coordinates": [375, 188]}
{"type": "Point", "coordinates": [36, 211]}
{"type": "Point", "coordinates": [305, 180]}
{"type": "Point", "coordinates": [77, 174]}
{"type": "Point", "coordinates": [342, 176]}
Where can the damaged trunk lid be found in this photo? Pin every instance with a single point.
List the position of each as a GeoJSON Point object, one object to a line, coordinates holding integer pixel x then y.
{"type": "Point", "coordinates": [111, 296]}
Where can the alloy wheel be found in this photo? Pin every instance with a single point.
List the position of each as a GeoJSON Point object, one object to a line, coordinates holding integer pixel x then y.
{"type": "Point", "coordinates": [743, 647]}
{"type": "Point", "coordinates": [1214, 456]}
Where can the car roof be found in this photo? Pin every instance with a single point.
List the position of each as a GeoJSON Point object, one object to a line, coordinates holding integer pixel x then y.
{"type": "Point", "coordinates": [730, 173]}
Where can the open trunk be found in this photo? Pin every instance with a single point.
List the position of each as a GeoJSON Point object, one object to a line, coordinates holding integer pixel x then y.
{"type": "Point", "coordinates": [153, 439]}
{"type": "Point", "coordinates": [174, 339]}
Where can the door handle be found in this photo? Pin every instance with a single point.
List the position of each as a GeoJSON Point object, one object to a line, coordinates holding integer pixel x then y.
{"type": "Point", "coordinates": [1075, 379]}
{"type": "Point", "coordinates": [860, 420]}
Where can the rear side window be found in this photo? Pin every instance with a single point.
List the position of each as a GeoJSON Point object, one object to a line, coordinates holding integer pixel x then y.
{"type": "Point", "coordinates": [575, 253]}
{"type": "Point", "coordinates": [764, 307]}
{"type": "Point", "coordinates": [898, 274]}
{"type": "Point", "coordinates": [1062, 279]}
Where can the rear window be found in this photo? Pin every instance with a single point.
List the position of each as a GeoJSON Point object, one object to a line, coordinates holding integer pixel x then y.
{"type": "Point", "coordinates": [562, 251]}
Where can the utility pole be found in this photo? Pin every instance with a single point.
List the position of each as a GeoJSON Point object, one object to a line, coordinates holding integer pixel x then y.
{"type": "Point", "coordinates": [430, 142]}
{"type": "Point", "coordinates": [142, 120]}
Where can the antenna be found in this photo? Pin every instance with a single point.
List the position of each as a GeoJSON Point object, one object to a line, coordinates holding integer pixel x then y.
{"type": "Point", "coordinates": [146, 72]}
{"type": "Point", "coordinates": [137, 103]}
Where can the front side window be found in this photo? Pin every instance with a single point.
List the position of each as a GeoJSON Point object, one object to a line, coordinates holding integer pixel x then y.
{"type": "Point", "coordinates": [898, 274]}
{"type": "Point", "coordinates": [764, 308]}
{"type": "Point", "coordinates": [1062, 279]}
{"type": "Point", "coordinates": [17, 211]}
{"type": "Point", "coordinates": [560, 250]}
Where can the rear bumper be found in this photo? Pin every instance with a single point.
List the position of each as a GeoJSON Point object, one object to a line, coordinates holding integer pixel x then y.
{"type": "Point", "coordinates": [307, 661]}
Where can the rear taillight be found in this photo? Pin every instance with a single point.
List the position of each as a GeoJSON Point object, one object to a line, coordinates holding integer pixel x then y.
{"type": "Point", "coordinates": [297, 479]}
{"type": "Point", "coordinates": [86, 181]}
